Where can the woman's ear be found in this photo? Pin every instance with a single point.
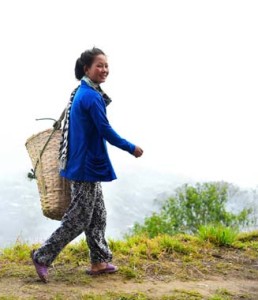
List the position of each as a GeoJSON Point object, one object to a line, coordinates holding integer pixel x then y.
{"type": "Point", "coordinates": [85, 69]}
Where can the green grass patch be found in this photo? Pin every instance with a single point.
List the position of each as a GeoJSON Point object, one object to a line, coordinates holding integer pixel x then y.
{"type": "Point", "coordinates": [115, 296]}
{"type": "Point", "coordinates": [219, 235]}
{"type": "Point", "coordinates": [17, 253]}
{"type": "Point", "coordinates": [171, 245]}
{"type": "Point", "coordinates": [248, 236]}
{"type": "Point", "coordinates": [183, 295]}
{"type": "Point", "coordinates": [222, 294]}
{"type": "Point", "coordinates": [129, 272]}
{"type": "Point", "coordinates": [9, 298]}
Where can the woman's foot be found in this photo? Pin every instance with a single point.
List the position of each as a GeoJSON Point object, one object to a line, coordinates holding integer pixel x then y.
{"type": "Point", "coordinates": [40, 269]}
{"type": "Point", "coordinates": [101, 268]}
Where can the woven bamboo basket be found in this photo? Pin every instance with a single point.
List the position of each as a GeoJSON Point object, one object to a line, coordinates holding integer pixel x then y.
{"type": "Point", "coordinates": [54, 190]}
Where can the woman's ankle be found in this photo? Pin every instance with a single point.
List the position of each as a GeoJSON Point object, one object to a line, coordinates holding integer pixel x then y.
{"type": "Point", "coordinates": [98, 266]}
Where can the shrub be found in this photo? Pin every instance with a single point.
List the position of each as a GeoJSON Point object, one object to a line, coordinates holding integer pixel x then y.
{"type": "Point", "coordinates": [192, 207]}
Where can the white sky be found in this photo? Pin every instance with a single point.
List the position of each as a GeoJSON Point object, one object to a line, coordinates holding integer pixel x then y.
{"type": "Point", "coordinates": [183, 79]}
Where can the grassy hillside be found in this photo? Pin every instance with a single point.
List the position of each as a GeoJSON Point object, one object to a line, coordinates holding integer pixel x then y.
{"type": "Point", "coordinates": [165, 267]}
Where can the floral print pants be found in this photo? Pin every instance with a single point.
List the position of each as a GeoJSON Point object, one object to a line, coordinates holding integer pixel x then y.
{"type": "Point", "coordinates": [86, 213]}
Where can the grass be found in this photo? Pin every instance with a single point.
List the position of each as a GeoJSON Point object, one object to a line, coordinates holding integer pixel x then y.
{"type": "Point", "coordinates": [163, 258]}
{"type": "Point", "coordinates": [183, 295]}
{"type": "Point", "coordinates": [133, 252]}
{"type": "Point", "coordinates": [223, 294]}
{"type": "Point", "coordinates": [218, 235]}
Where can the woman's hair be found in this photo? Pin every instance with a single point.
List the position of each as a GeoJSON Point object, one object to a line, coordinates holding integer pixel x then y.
{"type": "Point", "coordinates": [86, 59]}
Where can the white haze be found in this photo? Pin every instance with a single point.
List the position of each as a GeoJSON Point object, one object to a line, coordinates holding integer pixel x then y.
{"type": "Point", "coordinates": [183, 79]}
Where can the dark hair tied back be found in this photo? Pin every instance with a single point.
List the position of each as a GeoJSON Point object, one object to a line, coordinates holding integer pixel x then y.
{"type": "Point", "coordinates": [86, 59]}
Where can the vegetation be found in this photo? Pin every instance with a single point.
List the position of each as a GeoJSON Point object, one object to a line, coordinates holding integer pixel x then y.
{"type": "Point", "coordinates": [219, 235]}
{"type": "Point", "coordinates": [192, 239]}
{"type": "Point", "coordinates": [192, 207]}
{"type": "Point", "coordinates": [145, 263]}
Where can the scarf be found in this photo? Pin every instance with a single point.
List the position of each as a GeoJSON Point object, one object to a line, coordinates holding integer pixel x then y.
{"type": "Point", "coordinates": [97, 88]}
{"type": "Point", "coordinates": [63, 149]}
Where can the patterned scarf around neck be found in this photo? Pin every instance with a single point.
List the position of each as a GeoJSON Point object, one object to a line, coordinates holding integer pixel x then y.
{"type": "Point", "coordinates": [63, 150]}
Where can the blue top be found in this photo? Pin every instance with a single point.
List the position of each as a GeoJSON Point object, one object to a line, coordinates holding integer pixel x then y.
{"type": "Point", "coordinates": [89, 130]}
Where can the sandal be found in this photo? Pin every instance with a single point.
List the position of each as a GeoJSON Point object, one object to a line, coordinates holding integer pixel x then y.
{"type": "Point", "coordinates": [109, 269]}
{"type": "Point", "coordinates": [40, 269]}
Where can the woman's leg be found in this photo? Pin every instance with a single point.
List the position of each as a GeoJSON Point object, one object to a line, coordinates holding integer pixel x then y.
{"type": "Point", "coordinates": [95, 232]}
{"type": "Point", "coordinates": [76, 219]}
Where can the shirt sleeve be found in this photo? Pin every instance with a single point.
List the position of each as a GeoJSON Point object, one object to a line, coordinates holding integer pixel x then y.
{"type": "Point", "coordinates": [98, 114]}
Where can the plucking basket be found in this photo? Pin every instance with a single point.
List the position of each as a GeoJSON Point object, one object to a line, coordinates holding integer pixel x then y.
{"type": "Point", "coordinates": [54, 190]}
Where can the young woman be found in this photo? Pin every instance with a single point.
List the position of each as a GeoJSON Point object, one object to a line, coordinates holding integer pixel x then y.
{"type": "Point", "coordinates": [85, 162]}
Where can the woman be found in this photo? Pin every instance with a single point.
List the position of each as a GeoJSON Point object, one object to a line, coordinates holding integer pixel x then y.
{"type": "Point", "coordinates": [85, 162]}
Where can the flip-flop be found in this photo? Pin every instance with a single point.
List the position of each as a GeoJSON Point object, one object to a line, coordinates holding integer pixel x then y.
{"type": "Point", "coordinates": [109, 269]}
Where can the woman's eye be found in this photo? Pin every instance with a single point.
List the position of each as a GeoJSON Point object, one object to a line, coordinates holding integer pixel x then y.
{"type": "Point", "coordinates": [102, 66]}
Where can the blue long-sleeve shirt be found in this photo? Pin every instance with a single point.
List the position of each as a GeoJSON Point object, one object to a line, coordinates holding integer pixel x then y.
{"type": "Point", "coordinates": [89, 129]}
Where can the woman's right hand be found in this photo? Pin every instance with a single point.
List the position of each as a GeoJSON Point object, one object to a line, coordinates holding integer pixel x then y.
{"type": "Point", "coordinates": [137, 151]}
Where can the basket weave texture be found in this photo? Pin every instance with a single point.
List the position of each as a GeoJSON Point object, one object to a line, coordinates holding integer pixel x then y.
{"type": "Point", "coordinates": [54, 190]}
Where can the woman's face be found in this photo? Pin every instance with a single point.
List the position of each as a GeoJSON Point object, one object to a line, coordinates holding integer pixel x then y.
{"type": "Point", "coordinates": [98, 71]}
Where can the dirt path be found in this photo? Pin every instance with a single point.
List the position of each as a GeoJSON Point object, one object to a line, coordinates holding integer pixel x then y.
{"type": "Point", "coordinates": [154, 289]}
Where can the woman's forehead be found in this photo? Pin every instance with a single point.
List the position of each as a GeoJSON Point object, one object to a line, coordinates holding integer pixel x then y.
{"type": "Point", "coordinates": [100, 58]}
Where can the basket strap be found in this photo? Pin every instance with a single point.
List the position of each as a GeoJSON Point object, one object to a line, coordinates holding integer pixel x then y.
{"type": "Point", "coordinates": [42, 179]}
{"type": "Point", "coordinates": [58, 123]}
{"type": "Point", "coordinates": [32, 173]}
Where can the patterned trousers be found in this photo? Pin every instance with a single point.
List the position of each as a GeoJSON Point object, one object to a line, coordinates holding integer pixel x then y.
{"type": "Point", "coordinates": [86, 213]}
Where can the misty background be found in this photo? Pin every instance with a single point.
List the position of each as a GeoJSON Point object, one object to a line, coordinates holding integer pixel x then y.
{"type": "Point", "coordinates": [183, 80]}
